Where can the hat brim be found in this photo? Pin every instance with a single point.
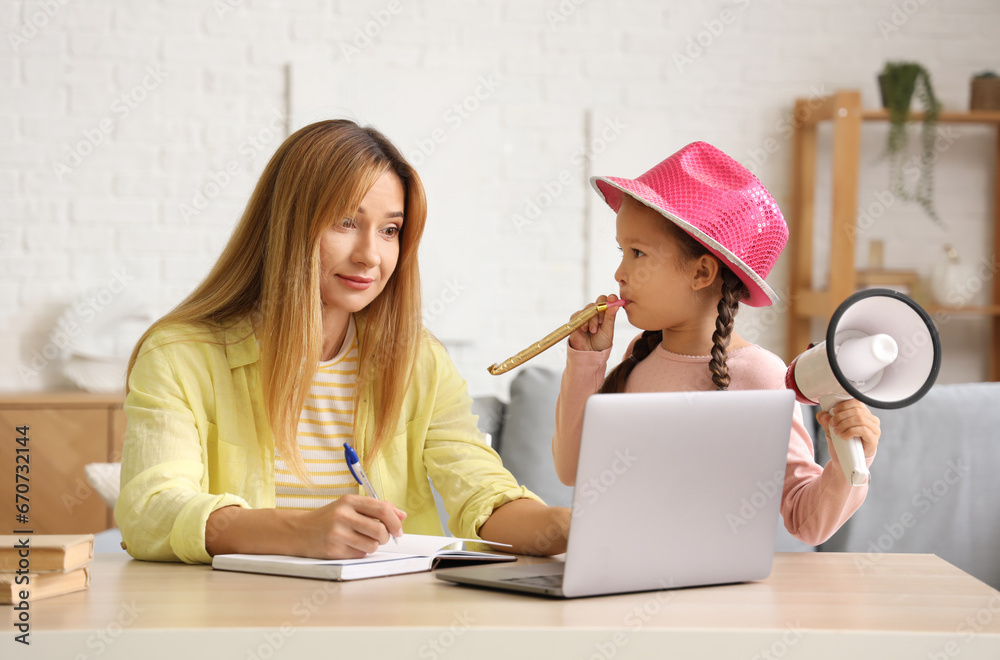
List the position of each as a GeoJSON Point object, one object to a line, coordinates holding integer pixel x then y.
{"type": "Point", "coordinates": [612, 190]}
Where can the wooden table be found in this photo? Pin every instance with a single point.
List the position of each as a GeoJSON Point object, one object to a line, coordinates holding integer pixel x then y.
{"type": "Point", "coordinates": [814, 605]}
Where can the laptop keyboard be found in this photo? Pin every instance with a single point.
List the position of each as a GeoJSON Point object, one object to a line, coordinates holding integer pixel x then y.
{"type": "Point", "coordinates": [538, 580]}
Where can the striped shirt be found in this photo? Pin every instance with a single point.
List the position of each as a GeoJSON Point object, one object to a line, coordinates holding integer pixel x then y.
{"type": "Point", "coordinates": [325, 424]}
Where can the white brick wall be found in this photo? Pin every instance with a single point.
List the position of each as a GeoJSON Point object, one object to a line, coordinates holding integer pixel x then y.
{"type": "Point", "coordinates": [77, 91]}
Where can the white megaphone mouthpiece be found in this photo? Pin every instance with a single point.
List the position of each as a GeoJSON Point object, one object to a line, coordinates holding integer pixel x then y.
{"type": "Point", "coordinates": [882, 349]}
{"type": "Point", "coordinates": [862, 358]}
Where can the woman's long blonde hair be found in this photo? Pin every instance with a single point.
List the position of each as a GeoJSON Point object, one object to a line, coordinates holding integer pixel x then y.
{"type": "Point", "coordinates": [271, 269]}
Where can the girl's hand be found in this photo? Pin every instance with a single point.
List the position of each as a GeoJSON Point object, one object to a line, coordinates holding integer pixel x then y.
{"type": "Point", "coordinates": [530, 527]}
{"type": "Point", "coordinates": [597, 334]}
{"type": "Point", "coordinates": [349, 528]}
{"type": "Point", "coordinates": [852, 419]}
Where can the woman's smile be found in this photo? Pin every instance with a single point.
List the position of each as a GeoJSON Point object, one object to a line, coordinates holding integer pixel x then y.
{"type": "Point", "coordinates": [355, 281]}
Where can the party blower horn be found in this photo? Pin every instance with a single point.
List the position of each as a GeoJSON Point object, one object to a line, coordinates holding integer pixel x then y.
{"type": "Point", "coordinates": [882, 349]}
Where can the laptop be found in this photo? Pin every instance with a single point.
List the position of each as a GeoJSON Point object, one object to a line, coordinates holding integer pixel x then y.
{"type": "Point", "coordinates": [673, 489]}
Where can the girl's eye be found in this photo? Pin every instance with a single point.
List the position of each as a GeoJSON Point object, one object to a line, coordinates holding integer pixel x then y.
{"type": "Point", "coordinates": [636, 253]}
{"type": "Point", "coordinates": [392, 231]}
{"type": "Point", "coordinates": [347, 223]}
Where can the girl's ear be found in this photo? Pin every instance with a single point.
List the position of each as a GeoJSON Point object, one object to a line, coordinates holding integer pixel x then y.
{"type": "Point", "coordinates": [705, 271]}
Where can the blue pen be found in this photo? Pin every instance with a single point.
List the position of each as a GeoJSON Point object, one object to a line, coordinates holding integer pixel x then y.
{"type": "Point", "coordinates": [358, 472]}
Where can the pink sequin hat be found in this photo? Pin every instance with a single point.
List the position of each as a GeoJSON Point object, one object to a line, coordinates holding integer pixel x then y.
{"type": "Point", "coordinates": [718, 202]}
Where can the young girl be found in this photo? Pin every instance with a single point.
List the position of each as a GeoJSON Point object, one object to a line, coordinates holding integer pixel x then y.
{"type": "Point", "coordinates": [698, 235]}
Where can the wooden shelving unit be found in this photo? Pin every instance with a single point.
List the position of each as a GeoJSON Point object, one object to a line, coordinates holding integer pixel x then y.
{"type": "Point", "coordinates": [67, 430]}
{"type": "Point", "coordinates": [844, 110]}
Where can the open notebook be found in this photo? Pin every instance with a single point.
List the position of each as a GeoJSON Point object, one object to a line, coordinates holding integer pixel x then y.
{"type": "Point", "coordinates": [413, 553]}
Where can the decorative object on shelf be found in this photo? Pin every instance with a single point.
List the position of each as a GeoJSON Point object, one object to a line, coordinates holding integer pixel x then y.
{"type": "Point", "coordinates": [877, 276]}
{"type": "Point", "coordinates": [984, 92]}
{"type": "Point", "coordinates": [876, 254]}
{"type": "Point", "coordinates": [955, 283]}
{"type": "Point", "coordinates": [898, 83]}
{"type": "Point", "coordinates": [904, 281]}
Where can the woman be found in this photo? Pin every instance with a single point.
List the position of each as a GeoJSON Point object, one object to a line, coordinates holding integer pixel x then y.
{"type": "Point", "coordinates": [304, 335]}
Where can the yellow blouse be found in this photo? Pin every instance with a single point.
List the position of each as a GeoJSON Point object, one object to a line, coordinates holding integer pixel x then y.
{"type": "Point", "coordinates": [197, 440]}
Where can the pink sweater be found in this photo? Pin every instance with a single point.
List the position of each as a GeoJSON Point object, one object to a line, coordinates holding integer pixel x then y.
{"type": "Point", "coordinates": [815, 501]}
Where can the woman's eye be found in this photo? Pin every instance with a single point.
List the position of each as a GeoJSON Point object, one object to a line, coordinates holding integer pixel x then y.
{"type": "Point", "coordinates": [347, 223]}
{"type": "Point", "coordinates": [391, 231]}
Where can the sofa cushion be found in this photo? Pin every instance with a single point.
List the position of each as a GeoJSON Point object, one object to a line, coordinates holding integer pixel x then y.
{"type": "Point", "coordinates": [528, 424]}
{"type": "Point", "coordinates": [934, 486]}
{"type": "Point", "coordinates": [489, 410]}
{"type": "Point", "coordinates": [105, 478]}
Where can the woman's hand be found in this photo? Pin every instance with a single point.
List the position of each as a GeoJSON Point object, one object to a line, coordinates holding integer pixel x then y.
{"type": "Point", "coordinates": [852, 419]}
{"type": "Point", "coordinates": [349, 528]}
{"type": "Point", "coordinates": [598, 333]}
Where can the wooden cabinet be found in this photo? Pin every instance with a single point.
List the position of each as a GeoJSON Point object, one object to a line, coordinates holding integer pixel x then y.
{"type": "Point", "coordinates": [807, 301]}
{"type": "Point", "coordinates": [66, 431]}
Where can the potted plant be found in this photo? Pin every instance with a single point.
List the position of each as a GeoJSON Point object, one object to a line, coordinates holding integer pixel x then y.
{"type": "Point", "coordinates": [899, 82]}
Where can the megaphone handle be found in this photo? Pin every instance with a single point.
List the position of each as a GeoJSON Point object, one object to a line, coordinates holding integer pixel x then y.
{"type": "Point", "coordinates": [850, 451]}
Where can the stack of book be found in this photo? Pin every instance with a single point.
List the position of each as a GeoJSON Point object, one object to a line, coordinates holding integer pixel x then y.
{"type": "Point", "coordinates": [36, 566]}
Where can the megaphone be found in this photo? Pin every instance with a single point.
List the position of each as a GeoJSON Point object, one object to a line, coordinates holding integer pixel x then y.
{"type": "Point", "coordinates": [882, 349]}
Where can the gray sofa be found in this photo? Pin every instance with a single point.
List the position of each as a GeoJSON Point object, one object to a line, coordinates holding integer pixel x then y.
{"type": "Point", "coordinates": [935, 483]}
